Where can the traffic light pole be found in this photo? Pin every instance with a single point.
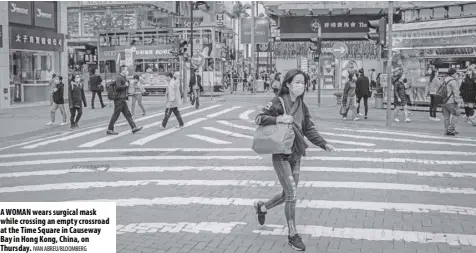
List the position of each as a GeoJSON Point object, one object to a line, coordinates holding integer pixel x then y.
{"type": "Point", "coordinates": [192, 5]}
{"type": "Point", "coordinates": [389, 64]}
{"type": "Point", "coordinates": [253, 45]}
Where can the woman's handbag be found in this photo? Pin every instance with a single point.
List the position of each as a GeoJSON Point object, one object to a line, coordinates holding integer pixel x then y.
{"type": "Point", "coordinates": [274, 139]}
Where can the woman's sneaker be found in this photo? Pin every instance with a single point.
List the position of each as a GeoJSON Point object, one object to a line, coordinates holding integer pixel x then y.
{"type": "Point", "coordinates": [261, 214]}
{"type": "Point", "coordinates": [296, 243]}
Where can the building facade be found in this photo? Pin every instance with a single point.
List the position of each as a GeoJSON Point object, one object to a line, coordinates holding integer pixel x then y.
{"type": "Point", "coordinates": [34, 46]}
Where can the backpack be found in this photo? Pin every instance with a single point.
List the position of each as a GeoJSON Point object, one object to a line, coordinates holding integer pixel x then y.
{"type": "Point", "coordinates": [441, 96]}
{"type": "Point", "coordinates": [111, 90]}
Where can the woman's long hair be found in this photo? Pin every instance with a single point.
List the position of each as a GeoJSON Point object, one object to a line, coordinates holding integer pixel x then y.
{"type": "Point", "coordinates": [288, 78]}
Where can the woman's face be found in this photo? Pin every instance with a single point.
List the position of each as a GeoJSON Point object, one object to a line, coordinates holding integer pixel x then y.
{"type": "Point", "coordinates": [77, 79]}
{"type": "Point", "coordinates": [298, 79]}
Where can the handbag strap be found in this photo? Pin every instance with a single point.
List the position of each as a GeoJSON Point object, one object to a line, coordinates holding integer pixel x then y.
{"type": "Point", "coordinates": [284, 106]}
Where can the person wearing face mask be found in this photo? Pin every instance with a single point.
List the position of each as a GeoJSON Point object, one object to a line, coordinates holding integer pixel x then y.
{"type": "Point", "coordinates": [137, 90]}
{"type": "Point", "coordinates": [468, 94]}
{"type": "Point", "coordinates": [76, 100]}
{"type": "Point", "coordinates": [286, 166]}
{"type": "Point", "coordinates": [433, 86]}
{"type": "Point", "coordinates": [120, 88]}
{"type": "Point", "coordinates": [400, 97]}
{"type": "Point", "coordinates": [349, 96]}
{"type": "Point", "coordinates": [58, 101]}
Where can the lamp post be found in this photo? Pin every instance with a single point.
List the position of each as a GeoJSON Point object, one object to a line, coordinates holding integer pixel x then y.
{"type": "Point", "coordinates": [389, 65]}
{"type": "Point", "coordinates": [192, 7]}
{"type": "Point", "coordinates": [253, 45]}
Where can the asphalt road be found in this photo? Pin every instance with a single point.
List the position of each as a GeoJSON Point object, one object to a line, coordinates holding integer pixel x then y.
{"type": "Point", "coordinates": [192, 189]}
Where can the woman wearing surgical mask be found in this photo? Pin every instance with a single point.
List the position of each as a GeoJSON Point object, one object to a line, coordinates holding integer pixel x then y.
{"type": "Point", "coordinates": [76, 100]}
{"type": "Point", "coordinates": [287, 167]}
{"type": "Point", "coordinates": [348, 97]}
{"type": "Point", "coordinates": [433, 86]}
{"type": "Point", "coordinates": [400, 98]}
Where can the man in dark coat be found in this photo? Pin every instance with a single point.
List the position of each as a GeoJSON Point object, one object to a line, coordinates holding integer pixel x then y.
{"type": "Point", "coordinates": [96, 88]}
{"type": "Point", "coordinates": [362, 90]}
{"type": "Point", "coordinates": [120, 102]}
{"type": "Point", "coordinates": [195, 88]}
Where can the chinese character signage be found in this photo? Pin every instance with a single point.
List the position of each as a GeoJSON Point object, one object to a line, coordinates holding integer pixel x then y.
{"type": "Point", "coordinates": [261, 30]}
{"type": "Point", "coordinates": [138, 52]}
{"type": "Point", "coordinates": [34, 39]}
{"type": "Point", "coordinates": [331, 27]}
{"type": "Point", "coordinates": [45, 14]}
{"type": "Point", "coordinates": [19, 12]}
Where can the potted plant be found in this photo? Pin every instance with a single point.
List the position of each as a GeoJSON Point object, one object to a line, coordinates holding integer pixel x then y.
{"type": "Point", "coordinates": [379, 98]}
{"type": "Point", "coordinates": [338, 95]}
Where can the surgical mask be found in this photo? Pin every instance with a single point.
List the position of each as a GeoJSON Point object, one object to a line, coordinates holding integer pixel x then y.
{"type": "Point", "coordinates": [297, 89]}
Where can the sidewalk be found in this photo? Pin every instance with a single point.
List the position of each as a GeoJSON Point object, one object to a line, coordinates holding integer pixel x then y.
{"type": "Point", "coordinates": [328, 114]}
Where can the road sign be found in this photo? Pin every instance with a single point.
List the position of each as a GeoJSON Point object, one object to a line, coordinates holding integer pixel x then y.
{"type": "Point", "coordinates": [198, 60]}
{"type": "Point", "coordinates": [339, 49]}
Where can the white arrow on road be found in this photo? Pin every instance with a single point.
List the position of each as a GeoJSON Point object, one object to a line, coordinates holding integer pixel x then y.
{"type": "Point", "coordinates": [341, 50]}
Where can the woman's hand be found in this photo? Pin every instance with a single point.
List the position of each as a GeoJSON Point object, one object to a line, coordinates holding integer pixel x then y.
{"type": "Point", "coordinates": [329, 148]}
{"type": "Point", "coordinates": [287, 119]}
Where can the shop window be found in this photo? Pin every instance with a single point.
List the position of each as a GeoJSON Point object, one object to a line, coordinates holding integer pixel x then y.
{"type": "Point", "coordinates": [104, 41]}
{"type": "Point", "coordinates": [32, 67]}
{"type": "Point", "coordinates": [136, 39]}
{"type": "Point", "coordinates": [123, 39]}
{"type": "Point", "coordinates": [139, 65]}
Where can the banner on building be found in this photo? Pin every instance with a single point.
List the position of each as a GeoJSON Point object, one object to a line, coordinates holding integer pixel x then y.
{"type": "Point", "coordinates": [261, 30]}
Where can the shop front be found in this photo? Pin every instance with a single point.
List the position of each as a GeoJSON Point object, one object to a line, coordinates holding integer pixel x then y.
{"type": "Point", "coordinates": [35, 49]}
{"type": "Point", "coordinates": [444, 44]}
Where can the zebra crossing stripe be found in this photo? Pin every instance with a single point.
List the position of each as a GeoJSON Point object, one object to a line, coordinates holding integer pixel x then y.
{"type": "Point", "coordinates": [365, 144]}
{"type": "Point", "coordinates": [245, 116]}
{"type": "Point", "coordinates": [400, 140]}
{"type": "Point", "coordinates": [127, 132]}
{"type": "Point", "coordinates": [312, 230]}
{"type": "Point", "coordinates": [417, 135]}
{"type": "Point", "coordinates": [373, 234]}
{"type": "Point", "coordinates": [242, 169]}
{"type": "Point", "coordinates": [226, 123]}
{"type": "Point", "coordinates": [214, 115]}
{"type": "Point", "coordinates": [208, 139]}
{"type": "Point", "coordinates": [141, 150]}
{"type": "Point", "coordinates": [242, 183]}
{"type": "Point", "coordinates": [213, 129]}
{"type": "Point", "coordinates": [313, 204]}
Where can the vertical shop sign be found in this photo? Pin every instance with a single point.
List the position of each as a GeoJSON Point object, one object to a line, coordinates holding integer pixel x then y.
{"type": "Point", "coordinates": [1, 36]}
{"type": "Point", "coordinates": [129, 57]}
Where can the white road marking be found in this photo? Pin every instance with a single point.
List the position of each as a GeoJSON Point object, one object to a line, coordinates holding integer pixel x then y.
{"type": "Point", "coordinates": [214, 115]}
{"type": "Point", "coordinates": [188, 227]}
{"type": "Point", "coordinates": [126, 158]}
{"type": "Point", "coordinates": [127, 132]}
{"type": "Point", "coordinates": [132, 150]}
{"type": "Point", "coordinates": [314, 204]}
{"type": "Point", "coordinates": [165, 132]}
{"type": "Point", "coordinates": [244, 183]}
{"type": "Point", "coordinates": [226, 123]}
{"type": "Point", "coordinates": [244, 168]}
{"type": "Point", "coordinates": [373, 234]}
{"type": "Point", "coordinates": [94, 130]}
{"type": "Point", "coordinates": [399, 140]}
{"type": "Point", "coordinates": [365, 144]}
{"type": "Point", "coordinates": [309, 158]}
{"type": "Point", "coordinates": [418, 135]}
{"type": "Point", "coordinates": [213, 129]}
{"type": "Point", "coordinates": [245, 116]}
{"type": "Point", "coordinates": [208, 139]}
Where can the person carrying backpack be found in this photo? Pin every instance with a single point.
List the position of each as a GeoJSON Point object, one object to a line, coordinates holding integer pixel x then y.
{"type": "Point", "coordinates": [447, 95]}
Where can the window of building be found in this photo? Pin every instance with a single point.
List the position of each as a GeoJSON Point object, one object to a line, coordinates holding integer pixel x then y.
{"type": "Point", "coordinates": [31, 67]}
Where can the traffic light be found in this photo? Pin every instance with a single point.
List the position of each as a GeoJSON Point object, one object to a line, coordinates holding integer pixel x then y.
{"type": "Point", "coordinates": [182, 47]}
{"type": "Point", "coordinates": [316, 47]}
{"type": "Point", "coordinates": [380, 34]}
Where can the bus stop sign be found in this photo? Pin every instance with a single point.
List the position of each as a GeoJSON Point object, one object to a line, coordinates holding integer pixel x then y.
{"type": "Point", "coordinates": [198, 60]}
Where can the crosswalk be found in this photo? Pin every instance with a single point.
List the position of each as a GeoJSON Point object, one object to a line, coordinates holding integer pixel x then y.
{"type": "Point", "coordinates": [193, 189]}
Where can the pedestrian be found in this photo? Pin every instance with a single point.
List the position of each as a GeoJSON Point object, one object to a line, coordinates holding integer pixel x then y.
{"type": "Point", "coordinates": [373, 79]}
{"type": "Point", "coordinates": [287, 166]}
{"type": "Point", "coordinates": [348, 97]}
{"type": "Point", "coordinates": [96, 88]}
{"type": "Point", "coordinates": [433, 86]}
{"type": "Point", "coordinates": [52, 85]}
{"type": "Point", "coordinates": [76, 100]}
{"type": "Point", "coordinates": [468, 94]}
{"type": "Point", "coordinates": [137, 90]}
{"type": "Point", "coordinates": [173, 99]}
{"type": "Point", "coordinates": [119, 91]}
{"type": "Point", "coordinates": [58, 101]}
{"type": "Point", "coordinates": [362, 90]}
{"type": "Point", "coordinates": [400, 97]}
{"type": "Point", "coordinates": [196, 88]}
{"type": "Point", "coordinates": [450, 103]}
